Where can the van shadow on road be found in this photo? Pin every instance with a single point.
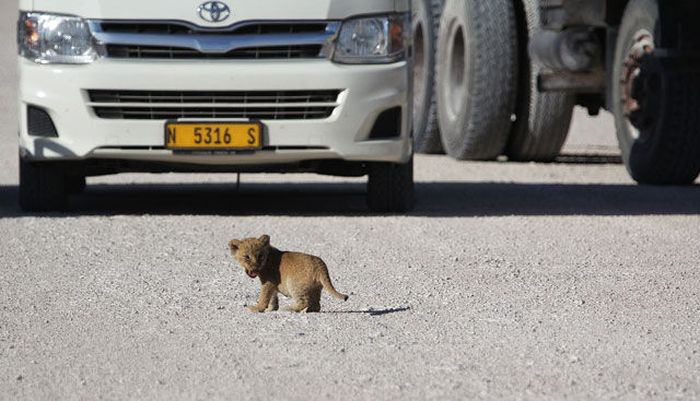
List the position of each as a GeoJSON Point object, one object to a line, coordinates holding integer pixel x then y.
{"type": "Point", "coordinates": [434, 199]}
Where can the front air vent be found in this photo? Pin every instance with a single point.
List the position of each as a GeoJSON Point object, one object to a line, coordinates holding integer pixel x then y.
{"type": "Point", "coordinates": [165, 113]}
{"type": "Point", "coordinates": [198, 97]}
{"type": "Point", "coordinates": [39, 123]}
{"type": "Point", "coordinates": [168, 105]}
{"type": "Point", "coordinates": [388, 124]}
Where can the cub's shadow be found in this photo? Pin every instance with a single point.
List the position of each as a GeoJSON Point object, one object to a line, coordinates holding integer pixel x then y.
{"type": "Point", "coordinates": [372, 311]}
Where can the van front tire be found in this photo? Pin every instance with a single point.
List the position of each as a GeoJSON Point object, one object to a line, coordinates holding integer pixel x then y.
{"type": "Point", "coordinates": [390, 187]}
{"type": "Point", "coordinates": [43, 187]}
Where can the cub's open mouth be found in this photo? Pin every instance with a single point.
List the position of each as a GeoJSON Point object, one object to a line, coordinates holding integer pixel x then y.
{"type": "Point", "coordinates": [251, 274]}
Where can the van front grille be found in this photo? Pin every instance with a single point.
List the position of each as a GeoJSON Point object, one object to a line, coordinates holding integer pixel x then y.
{"type": "Point", "coordinates": [169, 105]}
{"type": "Point", "coordinates": [169, 113]}
{"type": "Point", "coordinates": [177, 40]}
{"type": "Point", "coordinates": [174, 53]}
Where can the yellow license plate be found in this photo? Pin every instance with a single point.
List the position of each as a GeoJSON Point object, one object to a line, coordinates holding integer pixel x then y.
{"type": "Point", "coordinates": [212, 136]}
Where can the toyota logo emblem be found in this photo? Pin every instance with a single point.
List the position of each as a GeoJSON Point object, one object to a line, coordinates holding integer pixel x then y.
{"type": "Point", "coordinates": [214, 11]}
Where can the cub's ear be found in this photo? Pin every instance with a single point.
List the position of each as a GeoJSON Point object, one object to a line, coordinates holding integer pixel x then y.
{"type": "Point", "coordinates": [233, 245]}
{"type": "Point", "coordinates": [265, 239]}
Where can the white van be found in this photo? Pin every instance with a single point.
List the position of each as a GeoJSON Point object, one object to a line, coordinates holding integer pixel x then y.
{"type": "Point", "coordinates": [321, 86]}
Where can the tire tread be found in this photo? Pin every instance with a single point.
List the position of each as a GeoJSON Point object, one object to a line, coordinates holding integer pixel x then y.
{"type": "Point", "coordinates": [543, 119]}
{"type": "Point", "coordinates": [43, 187]}
{"type": "Point", "coordinates": [390, 188]}
{"type": "Point", "coordinates": [482, 132]}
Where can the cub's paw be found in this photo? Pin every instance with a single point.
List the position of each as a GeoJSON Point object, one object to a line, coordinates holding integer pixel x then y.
{"type": "Point", "coordinates": [254, 309]}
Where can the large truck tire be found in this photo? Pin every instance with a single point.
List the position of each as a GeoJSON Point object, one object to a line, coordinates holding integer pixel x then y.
{"type": "Point", "coordinates": [477, 75]}
{"type": "Point", "coordinates": [426, 14]}
{"type": "Point", "coordinates": [542, 119]}
{"type": "Point", "coordinates": [655, 104]}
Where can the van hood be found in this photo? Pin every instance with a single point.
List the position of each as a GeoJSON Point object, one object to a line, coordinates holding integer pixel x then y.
{"type": "Point", "coordinates": [240, 10]}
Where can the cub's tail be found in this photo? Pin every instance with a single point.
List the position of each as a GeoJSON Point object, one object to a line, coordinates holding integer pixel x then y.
{"type": "Point", "coordinates": [328, 285]}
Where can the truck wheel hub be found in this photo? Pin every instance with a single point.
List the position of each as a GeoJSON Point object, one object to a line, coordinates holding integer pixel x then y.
{"type": "Point", "coordinates": [640, 84]}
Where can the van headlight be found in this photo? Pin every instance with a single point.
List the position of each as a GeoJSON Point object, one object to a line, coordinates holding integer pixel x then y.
{"type": "Point", "coordinates": [55, 39]}
{"type": "Point", "coordinates": [373, 40]}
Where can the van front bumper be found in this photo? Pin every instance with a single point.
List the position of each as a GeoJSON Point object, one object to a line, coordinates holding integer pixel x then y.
{"type": "Point", "coordinates": [366, 91]}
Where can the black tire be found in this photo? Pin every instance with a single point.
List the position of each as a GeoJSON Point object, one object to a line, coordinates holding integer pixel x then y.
{"type": "Point", "coordinates": [43, 187]}
{"type": "Point", "coordinates": [426, 14]}
{"type": "Point", "coordinates": [543, 119]}
{"type": "Point", "coordinates": [655, 106]}
{"type": "Point", "coordinates": [476, 77]}
{"type": "Point", "coordinates": [75, 183]}
{"type": "Point", "coordinates": [390, 187]}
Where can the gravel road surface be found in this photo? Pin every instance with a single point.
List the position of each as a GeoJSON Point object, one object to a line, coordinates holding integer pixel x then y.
{"type": "Point", "coordinates": [509, 281]}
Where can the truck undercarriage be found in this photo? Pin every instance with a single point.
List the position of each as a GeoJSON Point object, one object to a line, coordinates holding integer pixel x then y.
{"type": "Point", "coordinates": [637, 59]}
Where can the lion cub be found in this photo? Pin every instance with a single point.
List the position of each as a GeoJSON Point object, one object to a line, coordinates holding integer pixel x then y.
{"type": "Point", "coordinates": [291, 274]}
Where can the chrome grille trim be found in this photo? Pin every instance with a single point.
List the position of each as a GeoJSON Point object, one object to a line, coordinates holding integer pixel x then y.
{"type": "Point", "coordinates": [122, 39]}
{"type": "Point", "coordinates": [183, 27]}
{"type": "Point", "coordinates": [172, 53]}
{"type": "Point", "coordinates": [269, 113]}
{"type": "Point", "coordinates": [167, 105]}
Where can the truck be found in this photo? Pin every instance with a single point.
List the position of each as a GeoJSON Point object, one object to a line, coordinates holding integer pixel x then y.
{"type": "Point", "coordinates": [500, 77]}
{"type": "Point", "coordinates": [347, 88]}
{"type": "Point", "coordinates": [317, 86]}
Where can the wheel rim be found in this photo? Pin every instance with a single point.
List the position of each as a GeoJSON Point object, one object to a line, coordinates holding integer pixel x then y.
{"type": "Point", "coordinates": [456, 75]}
{"type": "Point", "coordinates": [419, 67]}
{"type": "Point", "coordinates": [632, 96]}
